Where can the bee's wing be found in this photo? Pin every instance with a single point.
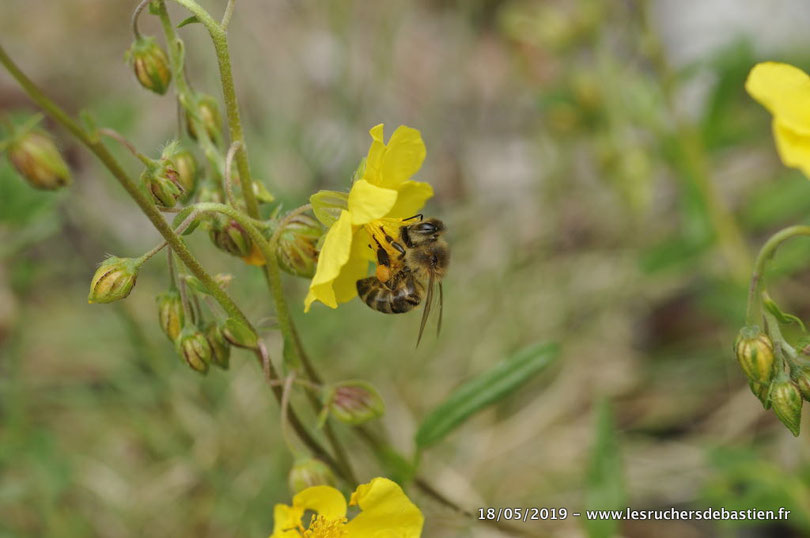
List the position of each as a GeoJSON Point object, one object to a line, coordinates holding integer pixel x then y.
{"type": "Point", "coordinates": [426, 311]}
{"type": "Point", "coordinates": [441, 309]}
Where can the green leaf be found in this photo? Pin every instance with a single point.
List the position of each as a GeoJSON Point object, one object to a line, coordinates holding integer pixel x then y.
{"type": "Point", "coordinates": [604, 482]}
{"type": "Point", "coordinates": [191, 20]}
{"type": "Point", "coordinates": [483, 390]}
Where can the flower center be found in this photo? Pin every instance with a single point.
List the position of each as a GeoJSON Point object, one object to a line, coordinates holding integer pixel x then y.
{"type": "Point", "coordinates": [383, 232]}
{"type": "Point", "coordinates": [320, 527]}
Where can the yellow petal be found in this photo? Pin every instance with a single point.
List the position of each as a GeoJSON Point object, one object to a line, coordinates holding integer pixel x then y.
{"type": "Point", "coordinates": [386, 511]}
{"type": "Point", "coordinates": [793, 147]}
{"type": "Point", "coordinates": [285, 520]}
{"type": "Point", "coordinates": [325, 500]}
{"type": "Point", "coordinates": [333, 256]}
{"type": "Point", "coordinates": [785, 91]}
{"type": "Point", "coordinates": [403, 157]}
{"type": "Point", "coordinates": [345, 286]}
{"type": "Point", "coordinates": [368, 202]}
{"type": "Point", "coordinates": [375, 154]}
{"type": "Point", "coordinates": [412, 198]}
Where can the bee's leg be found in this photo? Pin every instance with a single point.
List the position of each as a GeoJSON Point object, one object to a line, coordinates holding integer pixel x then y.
{"type": "Point", "coordinates": [399, 248]}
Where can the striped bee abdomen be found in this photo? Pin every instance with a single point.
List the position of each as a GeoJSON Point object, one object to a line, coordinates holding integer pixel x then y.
{"type": "Point", "coordinates": [402, 295]}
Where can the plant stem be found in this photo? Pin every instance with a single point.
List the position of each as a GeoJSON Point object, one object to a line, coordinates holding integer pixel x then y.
{"type": "Point", "coordinates": [176, 243]}
{"type": "Point", "coordinates": [765, 254]}
{"type": "Point", "coordinates": [186, 96]}
{"type": "Point", "coordinates": [268, 250]}
{"type": "Point", "coordinates": [128, 184]}
{"type": "Point", "coordinates": [226, 17]}
{"type": "Point", "coordinates": [135, 15]}
{"type": "Point", "coordinates": [220, 40]}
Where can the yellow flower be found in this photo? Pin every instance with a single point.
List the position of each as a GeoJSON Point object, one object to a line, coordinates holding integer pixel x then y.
{"type": "Point", "coordinates": [384, 511]}
{"type": "Point", "coordinates": [785, 91]}
{"type": "Point", "coordinates": [380, 198]}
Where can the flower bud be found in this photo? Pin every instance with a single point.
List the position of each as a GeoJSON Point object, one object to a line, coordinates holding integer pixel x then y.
{"type": "Point", "coordinates": [231, 238]}
{"type": "Point", "coordinates": [186, 166]}
{"type": "Point", "coordinates": [163, 183]}
{"type": "Point", "coordinates": [755, 354]}
{"type": "Point", "coordinates": [307, 472]}
{"type": "Point", "coordinates": [220, 348]}
{"type": "Point", "coordinates": [787, 404]}
{"type": "Point", "coordinates": [802, 380]}
{"type": "Point", "coordinates": [113, 280]}
{"type": "Point", "coordinates": [762, 392]}
{"type": "Point", "coordinates": [239, 334]}
{"type": "Point", "coordinates": [298, 245]}
{"type": "Point", "coordinates": [194, 348]}
{"type": "Point", "coordinates": [170, 313]}
{"type": "Point", "coordinates": [208, 115]}
{"type": "Point", "coordinates": [36, 158]}
{"type": "Point", "coordinates": [354, 402]}
{"type": "Point", "coordinates": [151, 64]}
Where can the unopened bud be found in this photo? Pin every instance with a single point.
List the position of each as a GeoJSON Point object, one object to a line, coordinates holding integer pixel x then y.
{"type": "Point", "coordinates": [354, 402]}
{"type": "Point", "coordinates": [163, 183]}
{"type": "Point", "coordinates": [298, 245]}
{"type": "Point", "coordinates": [194, 348]}
{"type": "Point", "coordinates": [170, 314]}
{"type": "Point", "coordinates": [36, 158]}
{"type": "Point", "coordinates": [220, 348]}
{"type": "Point", "coordinates": [186, 166]}
{"type": "Point", "coordinates": [307, 472]}
{"type": "Point", "coordinates": [763, 392]}
{"type": "Point", "coordinates": [787, 404]}
{"type": "Point", "coordinates": [802, 380]}
{"type": "Point", "coordinates": [151, 65]}
{"type": "Point", "coordinates": [239, 334]}
{"type": "Point", "coordinates": [230, 237]}
{"type": "Point", "coordinates": [113, 280]}
{"type": "Point", "coordinates": [754, 351]}
{"type": "Point", "coordinates": [208, 115]}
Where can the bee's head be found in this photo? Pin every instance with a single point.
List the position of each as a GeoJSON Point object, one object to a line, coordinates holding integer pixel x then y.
{"type": "Point", "coordinates": [426, 231]}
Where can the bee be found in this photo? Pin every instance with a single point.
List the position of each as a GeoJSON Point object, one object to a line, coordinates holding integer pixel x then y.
{"type": "Point", "coordinates": [420, 263]}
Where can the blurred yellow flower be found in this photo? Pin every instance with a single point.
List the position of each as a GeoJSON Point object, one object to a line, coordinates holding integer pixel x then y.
{"type": "Point", "coordinates": [385, 511]}
{"type": "Point", "coordinates": [381, 196]}
{"type": "Point", "coordinates": [785, 91]}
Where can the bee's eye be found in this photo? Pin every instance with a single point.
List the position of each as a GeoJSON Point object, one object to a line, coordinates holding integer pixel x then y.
{"type": "Point", "coordinates": [426, 228]}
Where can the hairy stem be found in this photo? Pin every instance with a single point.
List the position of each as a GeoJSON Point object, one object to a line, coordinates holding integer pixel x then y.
{"type": "Point", "coordinates": [220, 40]}
{"type": "Point", "coordinates": [143, 201]}
{"type": "Point", "coordinates": [176, 243]}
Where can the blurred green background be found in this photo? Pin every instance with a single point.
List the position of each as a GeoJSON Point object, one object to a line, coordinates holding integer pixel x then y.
{"type": "Point", "coordinates": [605, 180]}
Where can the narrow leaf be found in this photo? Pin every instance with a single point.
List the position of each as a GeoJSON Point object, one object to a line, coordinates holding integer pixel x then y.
{"type": "Point", "coordinates": [191, 20]}
{"type": "Point", "coordinates": [483, 390]}
{"type": "Point", "coordinates": [604, 482]}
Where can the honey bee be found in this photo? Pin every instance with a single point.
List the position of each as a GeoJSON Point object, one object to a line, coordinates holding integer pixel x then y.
{"type": "Point", "coordinates": [400, 283]}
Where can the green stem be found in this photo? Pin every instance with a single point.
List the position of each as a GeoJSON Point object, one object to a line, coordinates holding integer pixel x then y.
{"type": "Point", "coordinates": [186, 96]}
{"type": "Point", "coordinates": [765, 254]}
{"type": "Point", "coordinates": [177, 244]}
{"type": "Point", "coordinates": [146, 205]}
{"type": "Point", "coordinates": [226, 17]}
{"type": "Point", "coordinates": [220, 40]}
{"type": "Point", "coordinates": [135, 15]}
{"type": "Point", "coordinates": [268, 250]}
